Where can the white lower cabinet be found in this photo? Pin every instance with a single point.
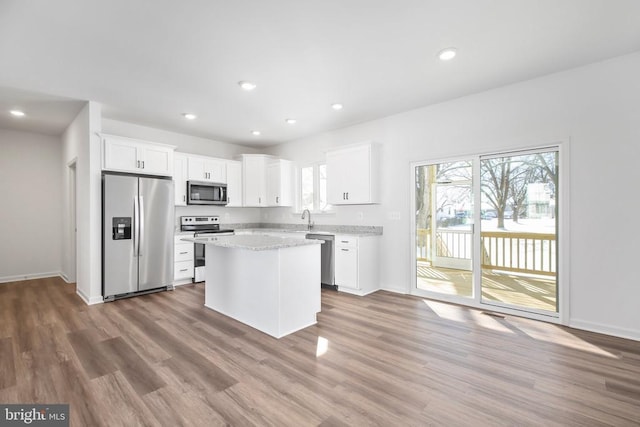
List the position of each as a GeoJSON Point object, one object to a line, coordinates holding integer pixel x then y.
{"type": "Point", "coordinates": [183, 269]}
{"type": "Point", "coordinates": [356, 264]}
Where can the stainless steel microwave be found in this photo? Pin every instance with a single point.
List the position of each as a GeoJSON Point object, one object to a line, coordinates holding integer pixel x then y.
{"type": "Point", "coordinates": [206, 193]}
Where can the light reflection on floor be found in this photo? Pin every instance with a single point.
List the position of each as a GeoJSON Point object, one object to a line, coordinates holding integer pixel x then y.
{"type": "Point", "coordinates": [536, 330]}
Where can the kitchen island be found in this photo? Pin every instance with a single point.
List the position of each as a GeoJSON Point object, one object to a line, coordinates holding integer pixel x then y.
{"type": "Point", "coordinates": [269, 283]}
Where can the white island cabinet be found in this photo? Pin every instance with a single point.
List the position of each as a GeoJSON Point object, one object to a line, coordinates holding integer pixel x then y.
{"type": "Point", "coordinates": [269, 283]}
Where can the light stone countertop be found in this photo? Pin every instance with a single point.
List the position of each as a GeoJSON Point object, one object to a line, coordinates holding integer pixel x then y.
{"type": "Point", "coordinates": [312, 231]}
{"type": "Point", "coordinates": [254, 242]}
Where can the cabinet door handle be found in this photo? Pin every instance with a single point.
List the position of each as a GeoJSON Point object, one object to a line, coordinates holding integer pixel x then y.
{"type": "Point", "coordinates": [184, 269]}
{"type": "Point", "coordinates": [345, 250]}
{"type": "Point", "coordinates": [184, 197]}
{"type": "Point", "coordinates": [277, 200]}
{"type": "Point", "coordinates": [259, 200]}
{"type": "Point", "coordinates": [344, 241]}
{"type": "Point", "coordinates": [183, 253]}
{"type": "Point", "coordinates": [138, 164]}
{"type": "Point", "coordinates": [143, 164]}
{"type": "Point", "coordinates": [347, 195]}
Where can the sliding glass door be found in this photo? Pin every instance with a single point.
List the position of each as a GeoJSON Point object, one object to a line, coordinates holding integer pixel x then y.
{"type": "Point", "coordinates": [444, 228]}
{"type": "Point", "coordinates": [502, 253]}
{"type": "Point", "coordinates": [518, 230]}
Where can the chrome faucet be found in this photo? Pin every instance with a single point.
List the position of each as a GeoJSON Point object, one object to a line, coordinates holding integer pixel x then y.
{"type": "Point", "coordinates": [309, 223]}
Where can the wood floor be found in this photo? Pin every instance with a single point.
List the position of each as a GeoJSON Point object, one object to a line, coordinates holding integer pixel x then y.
{"type": "Point", "coordinates": [392, 360]}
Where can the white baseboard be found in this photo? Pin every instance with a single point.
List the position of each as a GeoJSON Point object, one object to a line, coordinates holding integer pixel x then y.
{"type": "Point", "coordinates": [356, 292]}
{"type": "Point", "coordinates": [605, 329]}
{"type": "Point", "coordinates": [395, 291]}
{"type": "Point", "coordinates": [89, 301]}
{"type": "Point", "coordinates": [24, 277]}
{"type": "Point", "coordinates": [183, 282]}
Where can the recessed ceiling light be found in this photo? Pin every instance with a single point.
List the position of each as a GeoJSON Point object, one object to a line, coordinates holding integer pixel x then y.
{"type": "Point", "coordinates": [447, 54]}
{"type": "Point", "coordinates": [189, 116]}
{"type": "Point", "coordinates": [291, 121]}
{"type": "Point", "coordinates": [337, 106]}
{"type": "Point", "coordinates": [17, 113]}
{"type": "Point", "coordinates": [255, 132]}
{"type": "Point", "coordinates": [248, 86]}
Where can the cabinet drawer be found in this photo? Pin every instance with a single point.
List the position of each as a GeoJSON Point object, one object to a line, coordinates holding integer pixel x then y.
{"type": "Point", "coordinates": [350, 241]}
{"type": "Point", "coordinates": [183, 270]}
{"type": "Point", "coordinates": [177, 239]}
{"type": "Point", "coordinates": [183, 252]}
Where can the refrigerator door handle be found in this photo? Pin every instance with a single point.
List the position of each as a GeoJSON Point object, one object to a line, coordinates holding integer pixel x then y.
{"type": "Point", "coordinates": [141, 227]}
{"type": "Point", "coordinates": [136, 222]}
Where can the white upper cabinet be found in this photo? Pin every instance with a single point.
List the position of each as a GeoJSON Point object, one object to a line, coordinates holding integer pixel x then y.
{"type": "Point", "coordinates": [234, 183]}
{"type": "Point", "coordinates": [254, 180]}
{"type": "Point", "coordinates": [352, 175]}
{"type": "Point", "coordinates": [180, 178]}
{"type": "Point", "coordinates": [130, 155]}
{"type": "Point", "coordinates": [280, 183]}
{"type": "Point", "coordinates": [207, 169]}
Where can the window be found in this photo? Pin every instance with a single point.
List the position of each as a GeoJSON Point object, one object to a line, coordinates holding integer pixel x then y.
{"type": "Point", "coordinates": [313, 188]}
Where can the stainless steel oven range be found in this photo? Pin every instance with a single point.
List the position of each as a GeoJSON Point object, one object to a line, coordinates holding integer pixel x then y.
{"type": "Point", "coordinates": [201, 226]}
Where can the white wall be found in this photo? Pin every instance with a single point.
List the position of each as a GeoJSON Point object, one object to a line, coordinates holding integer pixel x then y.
{"type": "Point", "coordinates": [82, 144]}
{"type": "Point", "coordinates": [31, 208]}
{"type": "Point", "coordinates": [595, 107]}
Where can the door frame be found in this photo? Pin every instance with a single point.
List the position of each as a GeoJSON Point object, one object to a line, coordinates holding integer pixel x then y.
{"type": "Point", "coordinates": [72, 224]}
{"type": "Point", "coordinates": [562, 234]}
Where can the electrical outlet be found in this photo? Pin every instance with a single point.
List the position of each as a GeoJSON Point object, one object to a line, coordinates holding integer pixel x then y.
{"type": "Point", "coordinates": [394, 216]}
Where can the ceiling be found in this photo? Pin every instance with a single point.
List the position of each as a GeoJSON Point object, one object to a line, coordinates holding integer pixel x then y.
{"type": "Point", "coordinates": [149, 61]}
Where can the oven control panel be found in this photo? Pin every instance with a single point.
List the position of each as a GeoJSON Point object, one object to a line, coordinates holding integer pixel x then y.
{"type": "Point", "coordinates": [199, 220]}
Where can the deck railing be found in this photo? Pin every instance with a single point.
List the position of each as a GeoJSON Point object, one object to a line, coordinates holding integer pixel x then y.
{"type": "Point", "coordinates": [533, 253]}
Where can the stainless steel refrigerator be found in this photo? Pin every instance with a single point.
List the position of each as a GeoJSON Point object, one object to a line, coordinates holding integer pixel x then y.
{"type": "Point", "coordinates": [137, 240]}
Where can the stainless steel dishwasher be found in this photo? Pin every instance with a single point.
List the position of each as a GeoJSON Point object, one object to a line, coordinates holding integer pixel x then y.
{"type": "Point", "coordinates": [327, 259]}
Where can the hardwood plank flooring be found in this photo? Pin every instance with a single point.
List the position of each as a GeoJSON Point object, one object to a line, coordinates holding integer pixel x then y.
{"type": "Point", "coordinates": [388, 359]}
